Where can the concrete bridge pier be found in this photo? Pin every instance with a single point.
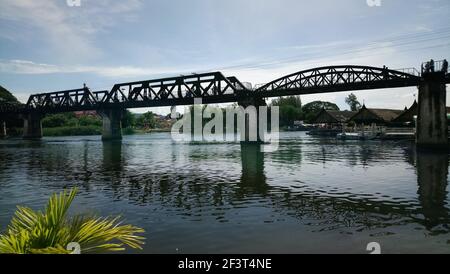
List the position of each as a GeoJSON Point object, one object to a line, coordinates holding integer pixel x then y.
{"type": "Point", "coordinates": [32, 126]}
{"type": "Point", "coordinates": [2, 129]}
{"type": "Point", "coordinates": [112, 124]}
{"type": "Point", "coordinates": [431, 128]}
{"type": "Point", "coordinates": [251, 134]}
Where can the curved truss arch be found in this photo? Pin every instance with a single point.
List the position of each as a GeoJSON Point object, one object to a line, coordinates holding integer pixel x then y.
{"type": "Point", "coordinates": [337, 78]}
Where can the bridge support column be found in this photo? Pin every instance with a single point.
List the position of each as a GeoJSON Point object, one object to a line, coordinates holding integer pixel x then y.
{"type": "Point", "coordinates": [251, 134]}
{"type": "Point", "coordinates": [431, 128]}
{"type": "Point", "coordinates": [112, 124]}
{"type": "Point", "coordinates": [32, 126]}
{"type": "Point", "coordinates": [2, 129]}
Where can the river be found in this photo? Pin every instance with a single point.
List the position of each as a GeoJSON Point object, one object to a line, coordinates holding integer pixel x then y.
{"type": "Point", "coordinates": [312, 195]}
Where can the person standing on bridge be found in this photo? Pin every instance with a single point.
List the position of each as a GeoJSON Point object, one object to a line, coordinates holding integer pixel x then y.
{"type": "Point", "coordinates": [385, 73]}
{"type": "Point", "coordinates": [445, 66]}
{"type": "Point", "coordinates": [427, 67]}
{"type": "Point", "coordinates": [431, 65]}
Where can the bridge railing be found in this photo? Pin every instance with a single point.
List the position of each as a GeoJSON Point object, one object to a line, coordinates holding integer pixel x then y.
{"type": "Point", "coordinates": [435, 66]}
{"type": "Point", "coordinates": [412, 71]}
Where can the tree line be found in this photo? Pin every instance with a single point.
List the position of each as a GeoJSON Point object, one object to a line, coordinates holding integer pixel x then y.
{"type": "Point", "coordinates": [292, 109]}
{"type": "Point", "coordinates": [63, 124]}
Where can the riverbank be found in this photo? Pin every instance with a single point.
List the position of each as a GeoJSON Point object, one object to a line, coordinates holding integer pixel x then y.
{"type": "Point", "coordinates": [72, 131]}
{"type": "Point", "coordinates": [92, 130]}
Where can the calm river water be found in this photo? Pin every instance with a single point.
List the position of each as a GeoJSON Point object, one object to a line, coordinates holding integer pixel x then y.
{"type": "Point", "coordinates": [312, 195]}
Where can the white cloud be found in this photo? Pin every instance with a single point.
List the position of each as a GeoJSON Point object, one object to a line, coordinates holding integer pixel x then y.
{"type": "Point", "coordinates": [30, 68]}
{"type": "Point", "coordinates": [26, 67]}
{"type": "Point", "coordinates": [260, 72]}
{"type": "Point", "coordinates": [68, 30]}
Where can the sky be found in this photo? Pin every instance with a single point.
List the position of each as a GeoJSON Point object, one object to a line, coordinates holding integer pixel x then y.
{"type": "Point", "coordinates": [50, 45]}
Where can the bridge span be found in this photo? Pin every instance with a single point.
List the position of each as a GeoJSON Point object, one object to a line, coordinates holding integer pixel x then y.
{"type": "Point", "coordinates": [215, 88]}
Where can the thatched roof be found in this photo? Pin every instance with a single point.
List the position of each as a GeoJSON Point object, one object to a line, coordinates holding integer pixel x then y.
{"type": "Point", "coordinates": [332, 116]}
{"type": "Point", "coordinates": [408, 114]}
{"type": "Point", "coordinates": [375, 115]}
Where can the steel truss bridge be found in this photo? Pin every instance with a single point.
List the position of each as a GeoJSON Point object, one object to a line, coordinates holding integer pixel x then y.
{"type": "Point", "coordinates": [214, 88]}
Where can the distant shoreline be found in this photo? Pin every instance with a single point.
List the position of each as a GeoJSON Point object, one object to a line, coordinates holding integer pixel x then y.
{"type": "Point", "coordinates": [92, 131]}
{"type": "Point", "coordinates": [95, 131]}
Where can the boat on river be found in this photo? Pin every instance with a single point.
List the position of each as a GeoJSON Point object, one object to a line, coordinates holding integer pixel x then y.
{"type": "Point", "coordinates": [356, 136]}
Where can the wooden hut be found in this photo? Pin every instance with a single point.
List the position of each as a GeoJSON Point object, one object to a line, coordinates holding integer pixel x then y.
{"type": "Point", "coordinates": [406, 118]}
{"type": "Point", "coordinates": [333, 117]}
{"type": "Point", "coordinates": [378, 116]}
{"type": "Point", "coordinates": [334, 121]}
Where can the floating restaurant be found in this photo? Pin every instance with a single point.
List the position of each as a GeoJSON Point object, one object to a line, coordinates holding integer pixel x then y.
{"type": "Point", "coordinates": [332, 121]}
{"type": "Point", "coordinates": [367, 123]}
{"type": "Point", "coordinates": [377, 116]}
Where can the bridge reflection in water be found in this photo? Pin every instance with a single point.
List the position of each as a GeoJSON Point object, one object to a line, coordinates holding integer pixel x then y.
{"type": "Point", "coordinates": [253, 179]}
{"type": "Point", "coordinates": [368, 190]}
{"type": "Point", "coordinates": [432, 177]}
{"type": "Point", "coordinates": [191, 190]}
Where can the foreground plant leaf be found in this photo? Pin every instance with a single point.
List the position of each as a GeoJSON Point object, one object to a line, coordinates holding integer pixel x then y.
{"type": "Point", "coordinates": [49, 232]}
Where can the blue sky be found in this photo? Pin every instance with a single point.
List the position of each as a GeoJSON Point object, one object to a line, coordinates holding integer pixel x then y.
{"type": "Point", "coordinates": [47, 45]}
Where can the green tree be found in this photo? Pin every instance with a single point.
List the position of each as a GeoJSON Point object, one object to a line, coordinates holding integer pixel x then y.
{"type": "Point", "coordinates": [294, 101]}
{"type": "Point", "coordinates": [310, 110]}
{"type": "Point", "coordinates": [51, 231]}
{"type": "Point", "coordinates": [6, 96]}
{"type": "Point", "coordinates": [128, 120]}
{"type": "Point", "coordinates": [290, 109]}
{"type": "Point", "coordinates": [55, 120]}
{"type": "Point", "coordinates": [289, 114]}
{"type": "Point", "coordinates": [88, 120]}
{"type": "Point", "coordinates": [353, 102]}
{"type": "Point", "coordinates": [59, 120]}
{"type": "Point", "coordinates": [317, 106]}
{"type": "Point", "coordinates": [146, 120]}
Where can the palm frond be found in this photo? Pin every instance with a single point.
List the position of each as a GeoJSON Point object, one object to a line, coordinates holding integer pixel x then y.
{"type": "Point", "coordinates": [50, 231]}
{"type": "Point", "coordinates": [94, 232]}
{"type": "Point", "coordinates": [57, 207]}
{"type": "Point", "coordinates": [50, 250]}
{"type": "Point", "coordinates": [15, 243]}
{"type": "Point", "coordinates": [24, 218]}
